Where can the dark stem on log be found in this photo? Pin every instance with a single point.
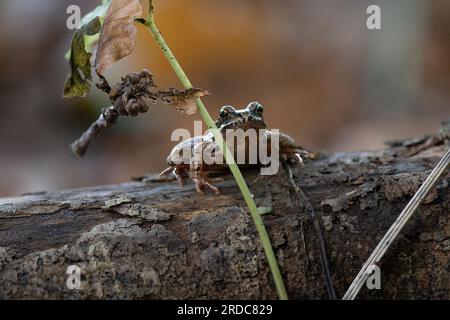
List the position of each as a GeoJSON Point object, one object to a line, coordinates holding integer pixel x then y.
{"type": "Point", "coordinates": [306, 205]}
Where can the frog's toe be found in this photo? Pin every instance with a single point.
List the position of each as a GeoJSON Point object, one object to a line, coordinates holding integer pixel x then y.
{"type": "Point", "coordinates": [201, 183]}
{"type": "Point", "coordinates": [298, 159]}
{"type": "Point", "coordinates": [180, 181]}
{"type": "Point", "coordinates": [295, 158]}
{"type": "Point", "coordinates": [199, 186]}
{"type": "Point", "coordinates": [199, 190]}
{"type": "Point", "coordinates": [178, 173]}
{"type": "Point", "coordinates": [213, 188]}
{"type": "Point", "coordinates": [166, 172]}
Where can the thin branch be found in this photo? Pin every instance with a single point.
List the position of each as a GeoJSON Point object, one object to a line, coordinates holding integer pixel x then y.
{"type": "Point", "coordinates": [108, 116]}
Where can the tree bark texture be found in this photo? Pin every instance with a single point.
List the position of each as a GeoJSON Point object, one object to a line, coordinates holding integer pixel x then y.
{"type": "Point", "coordinates": [153, 240]}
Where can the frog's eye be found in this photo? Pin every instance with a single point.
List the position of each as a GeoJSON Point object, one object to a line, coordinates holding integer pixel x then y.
{"type": "Point", "coordinates": [225, 111]}
{"type": "Point", "coordinates": [256, 107]}
{"type": "Point", "coordinates": [260, 109]}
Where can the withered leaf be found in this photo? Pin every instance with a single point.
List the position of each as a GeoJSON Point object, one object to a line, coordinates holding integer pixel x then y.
{"type": "Point", "coordinates": [78, 82]}
{"type": "Point", "coordinates": [100, 12]}
{"type": "Point", "coordinates": [118, 35]}
{"type": "Point", "coordinates": [183, 101]}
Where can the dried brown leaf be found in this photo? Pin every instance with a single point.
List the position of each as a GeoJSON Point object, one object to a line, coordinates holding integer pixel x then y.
{"type": "Point", "coordinates": [183, 101]}
{"type": "Point", "coordinates": [118, 35]}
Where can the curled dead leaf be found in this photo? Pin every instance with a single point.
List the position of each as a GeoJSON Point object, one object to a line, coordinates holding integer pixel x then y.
{"type": "Point", "coordinates": [183, 101]}
{"type": "Point", "coordinates": [118, 35]}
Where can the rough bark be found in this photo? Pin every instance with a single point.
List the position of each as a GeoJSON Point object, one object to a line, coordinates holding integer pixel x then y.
{"type": "Point", "coordinates": [153, 240]}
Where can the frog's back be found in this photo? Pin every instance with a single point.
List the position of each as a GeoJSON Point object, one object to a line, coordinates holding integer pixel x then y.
{"type": "Point", "coordinates": [185, 156]}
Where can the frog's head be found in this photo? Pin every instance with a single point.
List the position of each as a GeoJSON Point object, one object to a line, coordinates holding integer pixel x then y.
{"type": "Point", "coordinates": [249, 118]}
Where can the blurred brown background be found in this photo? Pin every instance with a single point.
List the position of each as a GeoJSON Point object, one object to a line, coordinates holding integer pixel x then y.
{"type": "Point", "coordinates": [322, 75]}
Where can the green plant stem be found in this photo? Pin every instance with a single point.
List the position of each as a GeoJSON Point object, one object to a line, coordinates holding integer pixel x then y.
{"type": "Point", "coordinates": [281, 290]}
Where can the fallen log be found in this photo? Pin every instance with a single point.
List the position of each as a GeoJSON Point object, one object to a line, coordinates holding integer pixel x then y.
{"type": "Point", "coordinates": [152, 240]}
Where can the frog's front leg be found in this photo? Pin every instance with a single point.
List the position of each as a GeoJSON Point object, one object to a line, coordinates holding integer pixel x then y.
{"type": "Point", "coordinates": [198, 167]}
{"type": "Point", "coordinates": [178, 171]}
{"type": "Point", "coordinates": [288, 148]}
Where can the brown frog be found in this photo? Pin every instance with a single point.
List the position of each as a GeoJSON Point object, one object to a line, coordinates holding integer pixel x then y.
{"type": "Point", "coordinates": [192, 164]}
